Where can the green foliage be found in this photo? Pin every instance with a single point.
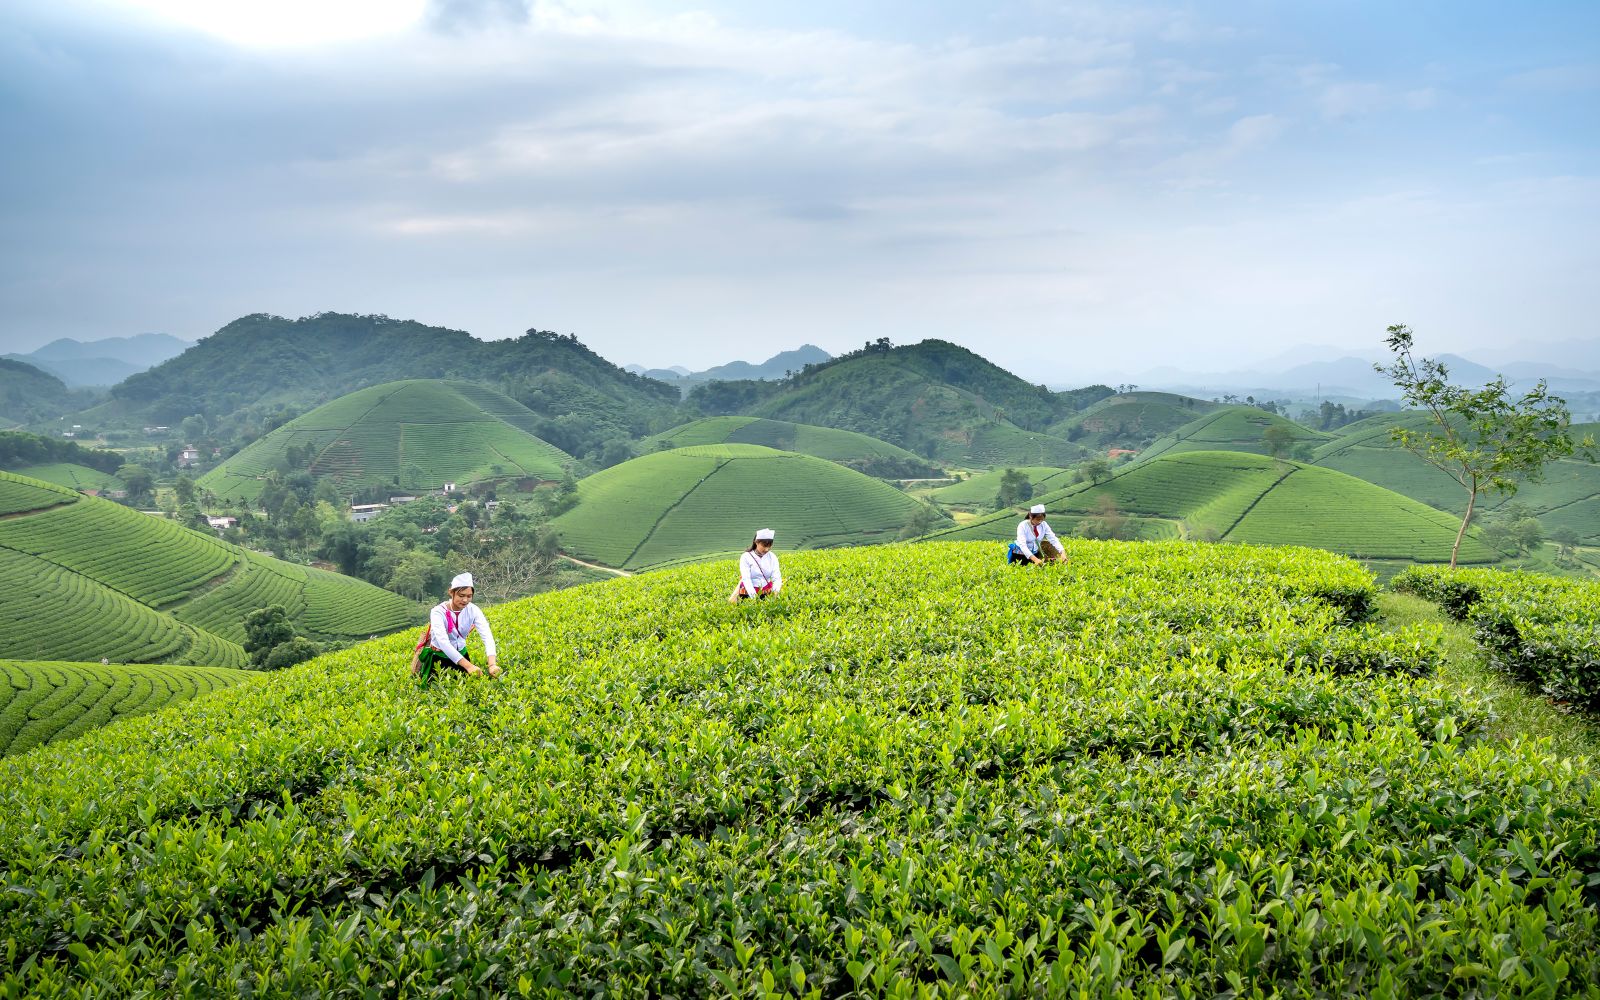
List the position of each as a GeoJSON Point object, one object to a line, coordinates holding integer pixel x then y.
{"type": "Point", "coordinates": [1237, 497]}
{"type": "Point", "coordinates": [42, 702]}
{"type": "Point", "coordinates": [696, 502]}
{"type": "Point", "coordinates": [19, 449]}
{"type": "Point", "coordinates": [265, 629]}
{"type": "Point", "coordinates": [415, 435]}
{"type": "Point", "coordinates": [28, 394]}
{"type": "Point", "coordinates": [260, 362]}
{"type": "Point", "coordinates": [1015, 488]}
{"type": "Point", "coordinates": [1232, 428]}
{"type": "Point", "coordinates": [19, 494]}
{"type": "Point", "coordinates": [73, 477]}
{"type": "Point", "coordinates": [1131, 419]}
{"type": "Point", "coordinates": [296, 650]}
{"type": "Point", "coordinates": [977, 492]}
{"type": "Point", "coordinates": [1480, 438]}
{"type": "Point", "coordinates": [1539, 629]}
{"type": "Point", "coordinates": [1158, 771]}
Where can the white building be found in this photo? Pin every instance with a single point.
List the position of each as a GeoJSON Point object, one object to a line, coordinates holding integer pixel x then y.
{"type": "Point", "coordinates": [222, 523]}
{"type": "Point", "coordinates": [363, 512]}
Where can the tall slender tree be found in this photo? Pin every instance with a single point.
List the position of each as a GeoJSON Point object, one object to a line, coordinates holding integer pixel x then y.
{"type": "Point", "coordinates": [1481, 438]}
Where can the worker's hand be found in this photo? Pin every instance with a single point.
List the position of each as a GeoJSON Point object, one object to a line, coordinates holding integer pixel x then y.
{"type": "Point", "coordinates": [494, 668]}
{"type": "Point", "coordinates": [466, 664]}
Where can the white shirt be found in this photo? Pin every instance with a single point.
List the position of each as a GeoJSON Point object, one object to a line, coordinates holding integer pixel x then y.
{"type": "Point", "coordinates": [756, 572]}
{"type": "Point", "coordinates": [1028, 538]}
{"type": "Point", "coordinates": [452, 642]}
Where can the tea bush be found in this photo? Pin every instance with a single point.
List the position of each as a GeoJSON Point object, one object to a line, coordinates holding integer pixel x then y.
{"type": "Point", "coordinates": [1161, 770]}
{"type": "Point", "coordinates": [1541, 629]}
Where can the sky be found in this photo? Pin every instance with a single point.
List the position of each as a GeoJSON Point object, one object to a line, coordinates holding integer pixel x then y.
{"type": "Point", "coordinates": [1077, 191]}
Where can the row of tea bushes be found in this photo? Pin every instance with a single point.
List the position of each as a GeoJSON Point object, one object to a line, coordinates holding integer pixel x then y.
{"type": "Point", "coordinates": [1541, 629]}
{"type": "Point", "coordinates": [1161, 770]}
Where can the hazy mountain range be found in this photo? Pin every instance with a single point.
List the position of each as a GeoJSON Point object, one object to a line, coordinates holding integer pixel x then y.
{"type": "Point", "coordinates": [103, 362]}
{"type": "Point", "coordinates": [773, 368]}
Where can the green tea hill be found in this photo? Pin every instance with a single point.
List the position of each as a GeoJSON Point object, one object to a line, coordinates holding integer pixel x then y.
{"type": "Point", "coordinates": [692, 503]}
{"type": "Point", "coordinates": [1233, 428]}
{"type": "Point", "coordinates": [1161, 770]}
{"type": "Point", "coordinates": [411, 435]}
{"type": "Point", "coordinates": [262, 360]}
{"type": "Point", "coordinates": [104, 581]}
{"type": "Point", "coordinates": [1131, 420]}
{"type": "Point", "coordinates": [1567, 497]}
{"type": "Point", "coordinates": [978, 492]}
{"type": "Point", "coordinates": [72, 476]}
{"type": "Point", "coordinates": [934, 398]}
{"type": "Point", "coordinates": [41, 702]}
{"type": "Point", "coordinates": [848, 448]}
{"type": "Point", "coordinates": [1239, 497]}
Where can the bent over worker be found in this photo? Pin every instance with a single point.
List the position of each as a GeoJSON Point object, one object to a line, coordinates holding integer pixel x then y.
{"type": "Point", "coordinates": [759, 575]}
{"type": "Point", "coordinates": [449, 624]}
{"type": "Point", "coordinates": [1036, 543]}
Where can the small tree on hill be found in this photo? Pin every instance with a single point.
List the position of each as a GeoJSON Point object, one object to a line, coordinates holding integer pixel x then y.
{"type": "Point", "coordinates": [1481, 438]}
{"type": "Point", "coordinates": [1278, 440]}
{"type": "Point", "coordinates": [1015, 487]}
{"type": "Point", "coordinates": [264, 630]}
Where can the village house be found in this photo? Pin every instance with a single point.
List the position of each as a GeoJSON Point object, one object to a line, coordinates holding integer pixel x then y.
{"type": "Point", "coordinates": [363, 512]}
{"type": "Point", "coordinates": [189, 456]}
{"type": "Point", "coordinates": [222, 523]}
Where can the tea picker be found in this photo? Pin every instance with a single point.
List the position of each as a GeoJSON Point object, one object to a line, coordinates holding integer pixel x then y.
{"type": "Point", "coordinates": [444, 641]}
{"type": "Point", "coordinates": [759, 575]}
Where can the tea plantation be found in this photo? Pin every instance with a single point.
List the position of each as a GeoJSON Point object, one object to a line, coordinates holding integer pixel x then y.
{"type": "Point", "coordinates": [1161, 770]}
{"type": "Point", "coordinates": [41, 702]}
{"type": "Point", "coordinates": [1231, 428]}
{"type": "Point", "coordinates": [844, 447]}
{"type": "Point", "coordinates": [103, 581]}
{"type": "Point", "coordinates": [416, 434]}
{"type": "Point", "coordinates": [978, 492]}
{"type": "Point", "coordinates": [694, 502]}
{"type": "Point", "coordinates": [1132, 417]}
{"type": "Point", "coordinates": [72, 476]}
{"type": "Point", "coordinates": [1238, 497]}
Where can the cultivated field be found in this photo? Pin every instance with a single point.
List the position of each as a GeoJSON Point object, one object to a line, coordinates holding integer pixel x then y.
{"type": "Point", "coordinates": [1238, 497]}
{"type": "Point", "coordinates": [1163, 770]}
{"type": "Point", "coordinates": [72, 476]}
{"type": "Point", "coordinates": [829, 443]}
{"type": "Point", "coordinates": [1230, 428]}
{"type": "Point", "coordinates": [108, 582]}
{"type": "Point", "coordinates": [413, 435]}
{"type": "Point", "coordinates": [41, 702]}
{"type": "Point", "coordinates": [695, 502]}
{"type": "Point", "coordinates": [1131, 417]}
{"type": "Point", "coordinates": [978, 492]}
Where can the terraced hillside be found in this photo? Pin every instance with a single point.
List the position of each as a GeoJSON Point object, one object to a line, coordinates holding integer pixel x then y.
{"type": "Point", "coordinates": [413, 435]}
{"type": "Point", "coordinates": [103, 581]}
{"type": "Point", "coordinates": [1162, 770]}
{"type": "Point", "coordinates": [695, 502]}
{"type": "Point", "coordinates": [977, 493]}
{"type": "Point", "coordinates": [1568, 497]}
{"type": "Point", "coordinates": [848, 448]}
{"type": "Point", "coordinates": [1131, 419]}
{"type": "Point", "coordinates": [71, 475]}
{"type": "Point", "coordinates": [1231, 428]}
{"type": "Point", "coordinates": [1238, 497]}
{"type": "Point", "coordinates": [41, 702]}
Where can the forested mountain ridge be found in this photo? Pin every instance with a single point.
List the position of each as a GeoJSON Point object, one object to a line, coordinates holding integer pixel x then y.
{"type": "Point", "coordinates": [28, 393]}
{"type": "Point", "coordinates": [935, 398]}
{"type": "Point", "coordinates": [263, 359]}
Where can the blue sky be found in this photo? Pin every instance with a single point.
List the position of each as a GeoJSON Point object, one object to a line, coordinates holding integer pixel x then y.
{"type": "Point", "coordinates": [1078, 191]}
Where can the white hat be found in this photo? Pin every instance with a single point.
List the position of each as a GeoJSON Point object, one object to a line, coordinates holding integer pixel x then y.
{"type": "Point", "coordinates": [765, 535]}
{"type": "Point", "coordinates": [463, 580]}
{"type": "Point", "coordinates": [1037, 508]}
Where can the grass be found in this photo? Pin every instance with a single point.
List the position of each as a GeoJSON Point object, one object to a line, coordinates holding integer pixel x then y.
{"type": "Point", "coordinates": [133, 588]}
{"type": "Point", "coordinates": [414, 435]}
{"type": "Point", "coordinates": [1519, 712]}
{"type": "Point", "coordinates": [42, 702]}
{"type": "Point", "coordinates": [689, 503]}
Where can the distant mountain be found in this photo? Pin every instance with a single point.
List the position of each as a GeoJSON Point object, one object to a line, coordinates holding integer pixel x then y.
{"type": "Point", "coordinates": [773, 368]}
{"type": "Point", "coordinates": [934, 398]}
{"type": "Point", "coordinates": [106, 361]}
{"type": "Point", "coordinates": [264, 361]}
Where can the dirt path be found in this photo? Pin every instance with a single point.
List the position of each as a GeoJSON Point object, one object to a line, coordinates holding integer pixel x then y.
{"type": "Point", "coordinates": [603, 569]}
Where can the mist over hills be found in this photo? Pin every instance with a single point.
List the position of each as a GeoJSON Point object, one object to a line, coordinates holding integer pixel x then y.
{"type": "Point", "coordinates": [103, 362]}
{"type": "Point", "coordinates": [777, 366]}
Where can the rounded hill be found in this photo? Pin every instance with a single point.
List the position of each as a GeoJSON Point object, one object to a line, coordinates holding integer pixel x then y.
{"type": "Point", "coordinates": [1159, 770]}
{"type": "Point", "coordinates": [695, 502]}
{"type": "Point", "coordinates": [1131, 419]}
{"type": "Point", "coordinates": [1238, 497]}
{"type": "Point", "coordinates": [411, 435]}
{"type": "Point", "coordinates": [1234, 428]}
{"type": "Point", "coordinates": [861, 452]}
{"type": "Point", "coordinates": [113, 583]}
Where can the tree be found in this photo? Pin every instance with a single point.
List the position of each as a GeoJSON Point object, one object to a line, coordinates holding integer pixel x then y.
{"type": "Point", "coordinates": [138, 480]}
{"type": "Point", "coordinates": [1481, 438]}
{"type": "Point", "coordinates": [264, 630]}
{"type": "Point", "coordinates": [286, 654]}
{"type": "Point", "coordinates": [922, 520]}
{"type": "Point", "coordinates": [1278, 440]}
{"type": "Point", "coordinates": [1097, 470]}
{"type": "Point", "coordinates": [510, 560]}
{"type": "Point", "coordinates": [1015, 487]}
{"type": "Point", "coordinates": [1107, 522]}
{"type": "Point", "coordinates": [183, 486]}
